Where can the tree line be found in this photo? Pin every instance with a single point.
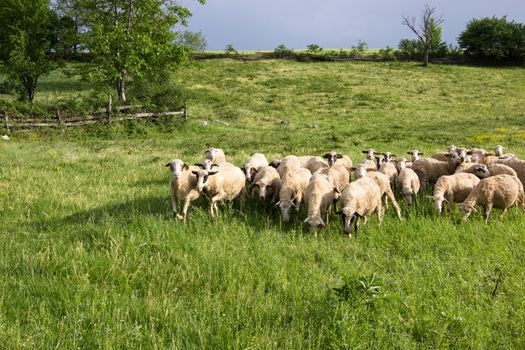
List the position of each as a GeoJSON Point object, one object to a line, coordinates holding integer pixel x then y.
{"type": "Point", "coordinates": [135, 40]}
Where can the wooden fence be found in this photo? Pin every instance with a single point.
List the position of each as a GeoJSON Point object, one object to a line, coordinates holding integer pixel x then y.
{"type": "Point", "coordinates": [103, 116]}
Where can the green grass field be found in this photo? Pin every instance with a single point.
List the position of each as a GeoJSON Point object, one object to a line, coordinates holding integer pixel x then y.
{"type": "Point", "coordinates": [91, 256]}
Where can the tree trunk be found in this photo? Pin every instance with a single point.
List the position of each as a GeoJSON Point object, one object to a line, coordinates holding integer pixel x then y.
{"type": "Point", "coordinates": [121, 90]}
{"type": "Point", "coordinates": [425, 61]}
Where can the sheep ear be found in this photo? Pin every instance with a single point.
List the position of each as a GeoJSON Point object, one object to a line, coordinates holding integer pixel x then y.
{"type": "Point", "coordinates": [214, 164]}
{"type": "Point", "coordinates": [338, 212]}
{"type": "Point", "coordinates": [254, 185]}
{"type": "Point", "coordinates": [430, 197]}
{"type": "Point", "coordinates": [327, 156]}
{"type": "Point", "coordinates": [293, 204]}
{"type": "Point", "coordinates": [490, 154]}
{"type": "Point", "coordinates": [421, 153]}
{"type": "Point", "coordinates": [306, 220]}
{"type": "Point", "coordinates": [365, 152]}
{"type": "Point", "coordinates": [185, 166]}
{"type": "Point", "coordinates": [473, 208]}
{"type": "Point", "coordinates": [168, 165]}
{"type": "Point", "coordinates": [393, 155]}
{"type": "Point", "coordinates": [336, 191]}
{"type": "Point", "coordinates": [277, 204]}
{"type": "Point", "coordinates": [469, 153]}
{"type": "Point", "coordinates": [339, 156]}
{"type": "Point", "coordinates": [369, 170]}
{"type": "Point", "coordinates": [322, 223]}
{"type": "Point", "coordinates": [410, 152]}
{"type": "Point", "coordinates": [200, 165]}
{"type": "Point", "coordinates": [210, 173]}
{"type": "Point", "coordinates": [195, 172]}
{"type": "Point", "coordinates": [353, 168]}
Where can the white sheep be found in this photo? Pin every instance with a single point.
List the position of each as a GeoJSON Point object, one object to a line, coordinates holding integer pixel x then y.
{"type": "Point", "coordinates": [288, 163]}
{"type": "Point", "coordinates": [319, 196]}
{"type": "Point", "coordinates": [407, 180]}
{"type": "Point", "coordinates": [453, 189]}
{"type": "Point", "coordinates": [253, 164]}
{"type": "Point", "coordinates": [500, 191]}
{"type": "Point", "coordinates": [383, 182]}
{"type": "Point", "coordinates": [498, 152]}
{"type": "Point", "coordinates": [267, 182]}
{"type": "Point", "coordinates": [360, 199]}
{"type": "Point", "coordinates": [336, 158]}
{"type": "Point", "coordinates": [183, 186]}
{"type": "Point", "coordinates": [337, 174]}
{"type": "Point", "coordinates": [313, 163]}
{"type": "Point", "coordinates": [429, 170]}
{"type": "Point", "coordinates": [517, 165]}
{"type": "Point", "coordinates": [216, 155]}
{"type": "Point", "coordinates": [293, 187]}
{"type": "Point", "coordinates": [389, 169]}
{"type": "Point", "coordinates": [225, 183]}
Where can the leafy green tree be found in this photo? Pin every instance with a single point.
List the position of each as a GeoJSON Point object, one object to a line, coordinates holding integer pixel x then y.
{"type": "Point", "coordinates": [494, 38]}
{"type": "Point", "coordinates": [131, 39]}
{"type": "Point", "coordinates": [195, 41]}
{"type": "Point", "coordinates": [26, 38]}
{"type": "Point", "coordinates": [428, 31]}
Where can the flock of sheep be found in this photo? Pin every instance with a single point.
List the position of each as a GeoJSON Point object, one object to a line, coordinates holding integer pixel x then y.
{"type": "Point", "coordinates": [470, 177]}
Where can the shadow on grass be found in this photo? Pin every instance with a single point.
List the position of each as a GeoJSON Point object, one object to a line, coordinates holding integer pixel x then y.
{"type": "Point", "coordinates": [62, 85]}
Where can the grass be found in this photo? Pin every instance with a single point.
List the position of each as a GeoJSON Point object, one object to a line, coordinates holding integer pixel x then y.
{"type": "Point", "coordinates": [91, 257]}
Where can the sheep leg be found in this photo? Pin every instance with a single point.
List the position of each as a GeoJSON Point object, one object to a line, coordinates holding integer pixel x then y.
{"type": "Point", "coordinates": [298, 200]}
{"type": "Point", "coordinates": [450, 203]}
{"type": "Point", "coordinates": [213, 206]}
{"type": "Point", "coordinates": [488, 208]}
{"type": "Point", "coordinates": [394, 204]}
{"type": "Point", "coordinates": [174, 200]}
{"type": "Point", "coordinates": [189, 198]}
{"type": "Point", "coordinates": [385, 201]}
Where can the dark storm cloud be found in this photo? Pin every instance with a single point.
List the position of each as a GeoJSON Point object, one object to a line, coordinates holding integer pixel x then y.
{"type": "Point", "coordinates": [250, 24]}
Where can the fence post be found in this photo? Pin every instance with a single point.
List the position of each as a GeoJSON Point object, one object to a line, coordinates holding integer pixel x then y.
{"type": "Point", "coordinates": [59, 120]}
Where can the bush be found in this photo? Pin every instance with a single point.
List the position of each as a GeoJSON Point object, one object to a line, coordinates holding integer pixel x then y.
{"type": "Point", "coordinates": [230, 50]}
{"type": "Point", "coordinates": [195, 41]}
{"type": "Point", "coordinates": [159, 96]}
{"type": "Point", "coordinates": [360, 47]}
{"type": "Point", "coordinates": [282, 51]}
{"type": "Point", "coordinates": [494, 39]}
{"type": "Point", "coordinates": [314, 48]}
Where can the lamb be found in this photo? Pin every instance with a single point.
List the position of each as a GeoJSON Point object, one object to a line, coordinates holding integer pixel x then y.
{"type": "Point", "coordinates": [334, 157]}
{"type": "Point", "coordinates": [253, 164]}
{"type": "Point", "coordinates": [319, 195]}
{"type": "Point", "coordinates": [216, 155]}
{"type": "Point", "coordinates": [453, 189]}
{"type": "Point", "coordinates": [498, 152]}
{"type": "Point", "coordinates": [293, 187]}
{"type": "Point", "coordinates": [183, 186]}
{"type": "Point", "coordinates": [383, 182]}
{"type": "Point", "coordinates": [429, 170]}
{"type": "Point", "coordinates": [226, 183]}
{"type": "Point", "coordinates": [360, 199]}
{"type": "Point", "coordinates": [500, 191]}
{"type": "Point", "coordinates": [267, 182]}
{"type": "Point", "coordinates": [407, 180]}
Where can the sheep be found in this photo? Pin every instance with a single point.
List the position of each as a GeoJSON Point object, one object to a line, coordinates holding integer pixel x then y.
{"type": "Point", "coordinates": [498, 152]}
{"type": "Point", "coordinates": [482, 170]}
{"type": "Point", "coordinates": [370, 154]}
{"type": "Point", "coordinates": [429, 169]}
{"type": "Point", "coordinates": [225, 183]}
{"type": "Point", "coordinates": [415, 154]}
{"type": "Point", "coordinates": [293, 187]}
{"type": "Point", "coordinates": [337, 174]}
{"type": "Point", "coordinates": [267, 181]}
{"type": "Point", "coordinates": [389, 169]}
{"type": "Point", "coordinates": [500, 169]}
{"type": "Point", "coordinates": [407, 180]}
{"type": "Point", "coordinates": [287, 163]}
{"type": "Point", "coordinates": [442, 156]}
{"type": "Point", "coordinates": [343, 160]}
{"type": "Point", "coordinates": [517, 165]}
{"type": "Point", "coordinates": [360, 199]}
{"type": "Point", "coordinates": [383, 182]}
{"type": "Point", "coordinates": [453, 189]}
{"type": "Point", "coordinates": [319, 195]}
{"type": "Point", "coordinates": [183, 186]}
{"type": "Point", "coordinates": [253, 164]}
{"type": "Point", "coordinates": [500, 191]}
{"type": "Point", "coordinates": [216, 155]}
{"type": "Point", "coordinates": [313, 163]}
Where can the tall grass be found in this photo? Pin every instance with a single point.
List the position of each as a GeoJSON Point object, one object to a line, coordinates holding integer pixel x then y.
{"type": "Point", "coordinates": [91, 256]}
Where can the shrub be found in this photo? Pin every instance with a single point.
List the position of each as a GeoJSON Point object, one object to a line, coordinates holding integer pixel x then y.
{"type": "Point", "coordinates": [282, 51]}
{"type": "Point", "coordinates": [314, 48]}
{"type": "Point", "coordinates": [494, 39]}
{"type": "Point", "coordinates": [230, 50]}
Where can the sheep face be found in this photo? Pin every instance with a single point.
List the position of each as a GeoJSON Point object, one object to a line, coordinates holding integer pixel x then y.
{"type": "Point", "coordinates": [360, 172]}
{"type": "Point", "coordinates": [332, 157]}
{"type": "Point", "coordinates": [210, 153]}
{"type": "Point", "coordinates": [207, 165]}
{"type": "Point", "coordinates": [262, 188]}
{"type": "Point", "coordinates": [370, 153]}
{"type": "Point", "coordinates": [466, 210]}
{"type": "Point", "coordinates": [286, 206]}
{"type": "Point", "coordinates": [481, 171]}
{"type": "Point", "coordinates": [401, 163]}
{"type": "Point", "coordinates": [387, 157]}
{"type": "Point", "coordinates": [416, 154]}
{"type": "Point", "coordinates": [315, 223]}
{"type": "Point", "coordinates": [177, 166]}
{"type": "Point", "coordinates": [250, 173]}
{"type": "Point", "coordinates": [461, 152]}
{"type": "Point", "coordinates": [498, 150]}
{"type": "Point", "coordinates": [202, 178]}
{"type": "Point", "coordinates": [349, 218]}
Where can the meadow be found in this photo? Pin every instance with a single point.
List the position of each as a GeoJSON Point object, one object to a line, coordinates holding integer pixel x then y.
{"type": "Point", "coordinates": [92, 257]}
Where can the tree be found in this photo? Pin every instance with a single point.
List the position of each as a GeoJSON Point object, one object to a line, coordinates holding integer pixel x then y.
{"type": "Point", "coordinates": [131, 39]}
{"type": "Point", "coordinates": [26, 36]}
{"type": "Point", "coordinates": [68, 27]}
{"type": "Point", "coordinates": [494, 38]}
{"type": "Point", "coordinates": [428, 30]}
{"type": "Point", "coordinates": [195, 41]}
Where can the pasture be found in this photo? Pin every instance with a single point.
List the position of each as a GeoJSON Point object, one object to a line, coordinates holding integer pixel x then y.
{"type": "Point", "coordinates": [92, 257]}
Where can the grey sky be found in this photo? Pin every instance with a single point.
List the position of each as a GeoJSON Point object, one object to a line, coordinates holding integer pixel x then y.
{"type": "Point", "coordinates": [263, 25]}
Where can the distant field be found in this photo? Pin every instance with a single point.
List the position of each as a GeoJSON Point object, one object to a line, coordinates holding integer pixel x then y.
{"type": "Point", "coordinates": [91, 257]}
